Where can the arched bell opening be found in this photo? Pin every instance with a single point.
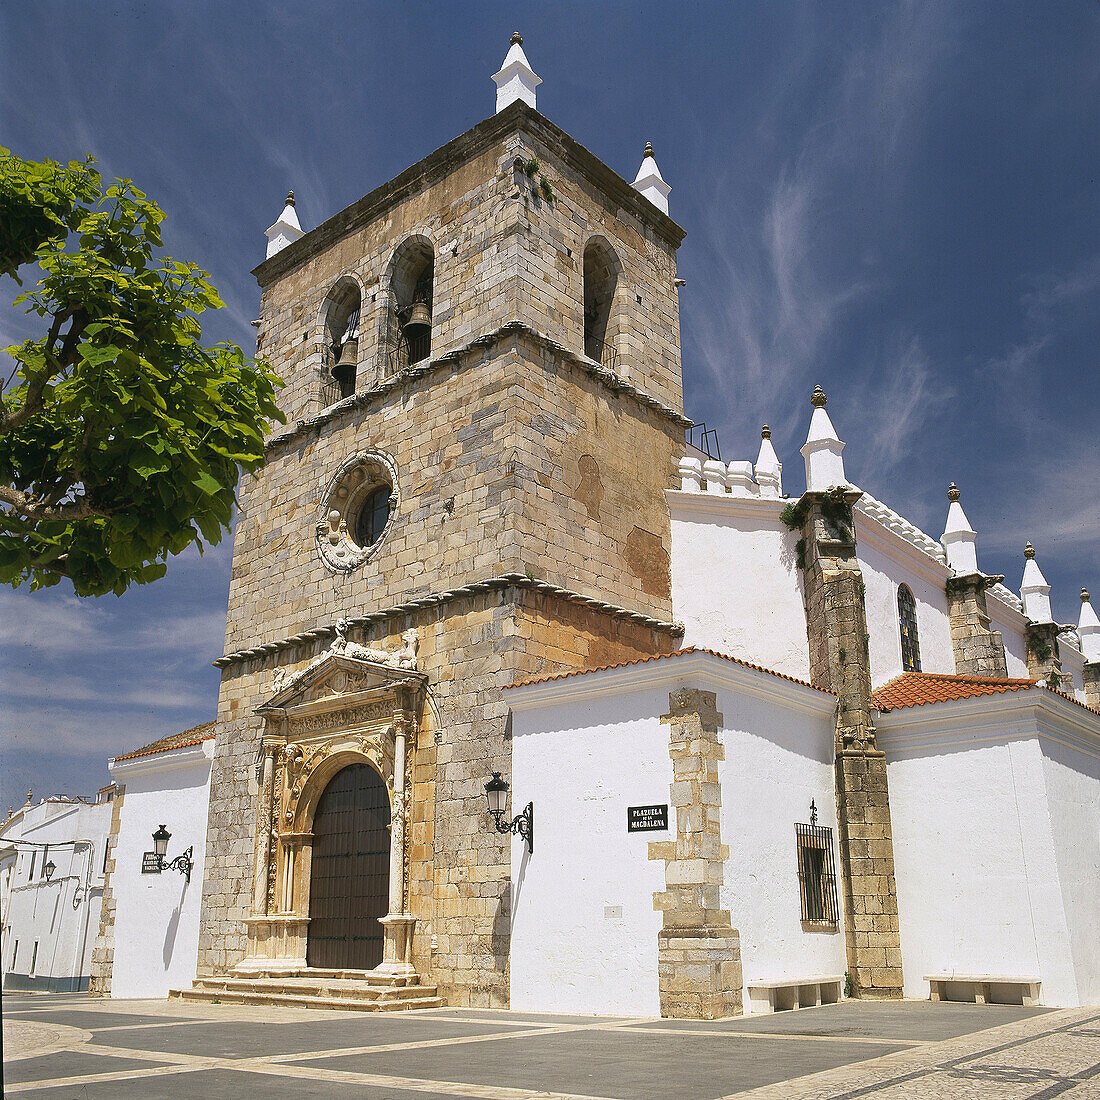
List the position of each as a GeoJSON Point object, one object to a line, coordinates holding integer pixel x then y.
{"type": "Point", "coordinates": [349, 870]}
{"type": "Point", "coordinates": [601, 270]}
{"type": "Point", "coordinates": [412, 291]}
{"type": "Point", "coordinates": [341, 331]}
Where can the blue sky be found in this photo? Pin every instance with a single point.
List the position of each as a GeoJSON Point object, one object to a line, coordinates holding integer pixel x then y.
{"type": "Point", "coordinates": [895, 200]}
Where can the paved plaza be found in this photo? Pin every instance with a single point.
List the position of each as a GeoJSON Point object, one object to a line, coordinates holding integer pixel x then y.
{"type": "Point", "coordinates": [71, 1046]}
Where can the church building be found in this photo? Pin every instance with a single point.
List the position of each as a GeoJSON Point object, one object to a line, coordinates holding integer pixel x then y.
{"type": "Point", "coordinates": [528, 702]}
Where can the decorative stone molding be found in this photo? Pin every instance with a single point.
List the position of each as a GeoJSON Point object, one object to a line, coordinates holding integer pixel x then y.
{"type": "Point", "coordinates": [342, 709]}
{"type": "Point", "coordinates": [340, 504]}
{"type": "Point", "coordinates": [698, 951]}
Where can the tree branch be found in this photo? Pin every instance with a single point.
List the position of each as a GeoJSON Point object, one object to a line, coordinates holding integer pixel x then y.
{"type": "Point", "coordinates": [37, 510]}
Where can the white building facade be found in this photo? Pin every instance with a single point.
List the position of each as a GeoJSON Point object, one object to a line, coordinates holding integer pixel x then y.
{"type": "Point", "coordinates": [51, 877]}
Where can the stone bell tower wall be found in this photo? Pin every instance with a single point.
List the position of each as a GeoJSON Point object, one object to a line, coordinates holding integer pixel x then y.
{"type": "Point", "coordinates": [503, 252]}
{"type": "Point", "coordinates": [529, 535]}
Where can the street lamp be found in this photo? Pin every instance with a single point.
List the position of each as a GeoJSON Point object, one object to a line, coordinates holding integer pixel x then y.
{"type": "Point", "coordinates": [49, 870]}
{"type": "Point", "coordinates": [496, 792]}
{"type": "Point", "coordinates": [154, 861]}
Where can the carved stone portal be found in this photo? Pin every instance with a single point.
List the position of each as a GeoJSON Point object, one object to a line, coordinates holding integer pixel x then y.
{"type": "Point", "coordinates": [340, 710]}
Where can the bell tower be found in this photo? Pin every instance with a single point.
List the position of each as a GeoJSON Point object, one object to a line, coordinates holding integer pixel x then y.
{"type": "Point", "coordinates": [482, 376]}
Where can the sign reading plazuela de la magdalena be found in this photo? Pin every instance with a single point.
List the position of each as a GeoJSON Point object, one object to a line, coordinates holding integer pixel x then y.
{"type": "Point", "coordinates": [644, 818]}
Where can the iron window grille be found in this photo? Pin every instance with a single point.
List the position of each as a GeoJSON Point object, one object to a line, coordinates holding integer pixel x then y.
{"type": "Point", "coordinates": [816, 874]}
{"type": "Point", "coordinates": [907, 627]}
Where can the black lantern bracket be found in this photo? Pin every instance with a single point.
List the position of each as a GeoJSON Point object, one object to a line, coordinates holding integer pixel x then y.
{"type": "Point", "coordinates": [154, 861]}
{"type": "Point", "coordinates": [523, 825]}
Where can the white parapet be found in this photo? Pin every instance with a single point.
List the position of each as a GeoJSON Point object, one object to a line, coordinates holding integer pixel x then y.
{"type": "Point", "coordinates": [740, 480]}
{"type": "Point", "coordinates": [715, 474]}
{"type": "Point", "coordinates": [691, 474]}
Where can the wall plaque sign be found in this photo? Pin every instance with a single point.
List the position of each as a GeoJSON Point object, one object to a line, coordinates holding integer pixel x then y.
{"type": "Point", "coordinates": [150, 863]}
{"type": "Point", "coordinates": [642, 819]}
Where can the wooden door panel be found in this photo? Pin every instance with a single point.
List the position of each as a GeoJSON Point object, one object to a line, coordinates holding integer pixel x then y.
{"type": "Point", "coordinates": [349, 881]}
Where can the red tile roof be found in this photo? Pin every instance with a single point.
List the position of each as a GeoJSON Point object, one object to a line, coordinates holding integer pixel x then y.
{"type": "Point", "coordinates": [662, 656]}
{"type": "Point", "coordinates": [915, 689]}
{"type": "Point", "coordinates": [196, 735]}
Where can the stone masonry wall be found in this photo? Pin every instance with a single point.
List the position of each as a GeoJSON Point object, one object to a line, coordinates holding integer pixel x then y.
{"type": "Point", "coordinates": [836, 620]}
{"type": "Point", "coordinates": [1044, 659]}
{"type": "Point", "coordinates": [698, 951]}
{"type": "Point", "coordinates": [1091, 677]}
{"type": "Point", "coordinates": [103, 951]}
{"type": "Point", "coordinates": [979, 651]}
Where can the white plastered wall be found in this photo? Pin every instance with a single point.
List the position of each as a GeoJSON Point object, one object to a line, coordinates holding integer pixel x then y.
{"type": "Point", "coordinates": [1013, 629]}
{"type": "Point", "coordinates": [978, 843]}
{"type": "Point", "coordinates": [1073, 794]}
{"type": "Point", "coordinates": [584, 931]}
{"type": "Point", "coordinates": [157, 916]}
{"type": "Point", "coordinates": [736, 586]}
{"type": "Point", "coordinates": [777, 761]}
{"type": "Point", "coordinates": [887, 561]}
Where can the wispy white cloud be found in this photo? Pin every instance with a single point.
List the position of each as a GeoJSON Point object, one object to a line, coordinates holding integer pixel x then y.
{"type": "Point", "coordinates": [775, 295]}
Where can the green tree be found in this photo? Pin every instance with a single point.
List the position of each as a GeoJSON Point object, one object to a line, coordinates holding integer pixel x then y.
{"type": "Point", "coordinates": [121, 437]}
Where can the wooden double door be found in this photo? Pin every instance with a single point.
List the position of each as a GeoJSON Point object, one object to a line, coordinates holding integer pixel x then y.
{"type": "Point", "coordinates": [349, 880]}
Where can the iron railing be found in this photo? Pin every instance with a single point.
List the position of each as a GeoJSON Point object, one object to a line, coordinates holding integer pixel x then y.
{"type": "Point", "coordinates": [704, 439]}
{"type": "Point", "coordinates": [602, 352]}
{"type": "Point", "coordinates": [816, 874]}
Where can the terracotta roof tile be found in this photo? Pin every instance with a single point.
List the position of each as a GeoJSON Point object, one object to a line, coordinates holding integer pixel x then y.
{"type": "Point", "coordinates": [915, 689]}
{"type": "Point", "coordinates": [194, 736]}
{"type": "Point", "coordinates": [661, 657]}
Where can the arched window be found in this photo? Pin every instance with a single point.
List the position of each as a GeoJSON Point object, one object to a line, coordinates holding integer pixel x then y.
{"type": "Point", "coordinates": [342, 340]}
{"type": "Point", "coordinates": [412, 287]}
{"type": "Point", "coordinates": [601, 277]}
{"type": "Point", "coordinates": [907, 626]}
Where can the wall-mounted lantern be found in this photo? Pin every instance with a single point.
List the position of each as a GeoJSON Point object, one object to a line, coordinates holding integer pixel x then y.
{"type": "Point", "coordinates": [153, 862]}
{"type": "Point", "coordinates": [49, 869]}
{"type": "Point", "coordinates": [496, 791]}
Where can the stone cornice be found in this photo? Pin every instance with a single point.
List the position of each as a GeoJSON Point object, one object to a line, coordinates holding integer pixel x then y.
{"type": "Point", "coordinates": [517, 118]}
{"type": "Point", "coordinates": [400, 381]}
{"type": "Point", "coordinates": [490, 584]}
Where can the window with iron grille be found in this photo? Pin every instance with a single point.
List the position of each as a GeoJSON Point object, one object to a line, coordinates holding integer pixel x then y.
{"type": "Point", "coordinates": [907, 626]}
{"type": "Point", "coordinates": [816, 874]}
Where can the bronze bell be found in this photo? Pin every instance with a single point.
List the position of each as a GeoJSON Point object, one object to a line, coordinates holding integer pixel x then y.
{"type": "Point", "coordinates": [344, 369]}
{"type": "Point", "coordinates": [420, 318]}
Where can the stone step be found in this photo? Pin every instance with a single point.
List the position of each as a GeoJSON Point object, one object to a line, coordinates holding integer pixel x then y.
{"type": "Point", "coordinates": [368, 977]}
{"type": "Point", "coordinates": [348, 988]}
{"type": "Point", "coordinates": [381, 1002]}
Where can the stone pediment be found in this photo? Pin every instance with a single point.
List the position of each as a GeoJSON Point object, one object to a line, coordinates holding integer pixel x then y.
{"type": "Point", "coordinates": [331, 679]}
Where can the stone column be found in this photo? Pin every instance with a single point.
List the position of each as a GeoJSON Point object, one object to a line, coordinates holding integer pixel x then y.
{"type": "Point", "coordinates": [1044, 660]}
{"type": "Point", "coordinates": [836, 620]}
{"type": "Point", "coordinates": [263, 853]}
{"type": "Point", "coordinates": [397, 925]}
{"type": "Point", "coordinates": [979, 651]}
{"type": "Point", "coordinates": [698, 951]}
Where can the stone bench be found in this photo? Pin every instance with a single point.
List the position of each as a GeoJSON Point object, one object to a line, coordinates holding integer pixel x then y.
{"type": "Point", "coordinates": [780, 994]}
{"type": "Point", "coordinates": [983, 989]}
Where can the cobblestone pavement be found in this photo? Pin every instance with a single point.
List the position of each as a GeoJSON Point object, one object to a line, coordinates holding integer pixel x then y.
{"type": "Point", "coordinates": [70, 1046]}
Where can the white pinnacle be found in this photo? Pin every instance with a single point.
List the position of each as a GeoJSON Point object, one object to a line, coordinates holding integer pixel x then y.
{"type": "Point", "coordinates": [649, 181]}
{"type": "Point", "coordinates": [286, 230]}
{"type": "Point", "coordinates": [1088, 629]}
{"type": "Point", "coordinates": [822, 449]}
{"type": "Point", "coordinates": [768, 470]}
{"type": "Point", "coordinates": [959, 538]}
{"type": "Point", "coordinates": [516, 79]}
{"type": "Point", "coordinates": [1034, 590]}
